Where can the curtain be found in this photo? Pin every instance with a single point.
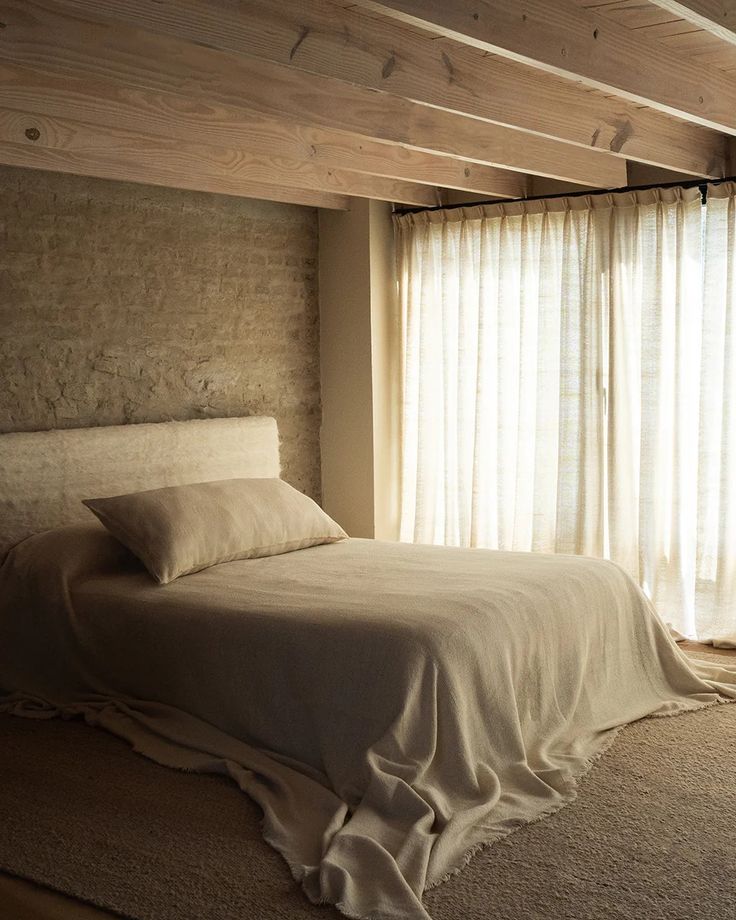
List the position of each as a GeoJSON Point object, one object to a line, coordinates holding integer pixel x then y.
{"type": "Point", "coordinates": [569, 375]}
{"type": "Point", "coordinates": [715, 575]}
{"type": "Point", "coordinates": [655, 321]}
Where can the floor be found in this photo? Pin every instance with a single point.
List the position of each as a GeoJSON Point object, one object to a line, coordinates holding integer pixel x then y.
{"type": "Point", "coordinates": [22, 900]}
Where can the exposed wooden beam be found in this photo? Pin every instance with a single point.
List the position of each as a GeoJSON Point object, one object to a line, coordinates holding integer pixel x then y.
{"type": "Point", "coordinates": [129, 170]}
{"type": "Point", "coordinates": [337, 150]}
{"type": "Point", "coordinates": [359, 47]}
{"type": "Point", "coordinates": [41, 36]}
{"type": "Point", "coordinates": [230, 168]}
{"type": "Point", "coordinates": [333, 150]}
{"type": "Point", "coordinates": [266, 136]}
{"type": "Point", "coordinates": [716, 16]}
{"type": "Point", "coordinates": [564, 39]}
{"type": "Point", "coordinates": [106, 108]}
{"type": "Point", "coordinates": [731, 161]}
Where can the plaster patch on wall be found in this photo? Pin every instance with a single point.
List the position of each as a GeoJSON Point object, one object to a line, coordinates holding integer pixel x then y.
{"type": "Point", "coordinates": [126, 303]}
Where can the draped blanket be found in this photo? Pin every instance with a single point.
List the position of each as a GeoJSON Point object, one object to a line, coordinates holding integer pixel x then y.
{"type": "Point", "coordinates": [390, 707]}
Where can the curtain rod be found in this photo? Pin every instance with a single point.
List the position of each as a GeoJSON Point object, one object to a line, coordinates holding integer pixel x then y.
{"type": "Point", "coordinates": [701, 184]}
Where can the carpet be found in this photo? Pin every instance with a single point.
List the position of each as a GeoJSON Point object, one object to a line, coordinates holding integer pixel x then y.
{"type": "Point", "coordinates": [651, 835]}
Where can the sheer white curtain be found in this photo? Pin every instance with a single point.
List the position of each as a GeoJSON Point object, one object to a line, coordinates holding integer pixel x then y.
{"type": "Point", "coordinates": [503, 410]}
{"type": "Point", "coordinates": [715, 568]}
{"type": "Point", "coordinates": [569, 375]}
{"type": "Point", "coordinates": [655, 310]}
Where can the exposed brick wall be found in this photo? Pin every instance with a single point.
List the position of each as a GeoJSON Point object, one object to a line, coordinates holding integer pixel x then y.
{"type": "Point", "coordinates": [127, 303]}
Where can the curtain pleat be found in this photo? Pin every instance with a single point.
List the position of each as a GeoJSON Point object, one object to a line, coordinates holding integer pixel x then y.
{"type": "Point", "coordinates": [569, 385]}
{"type": "Point", "coordinates": [655, 327]}
{"type": "Point", "coordinates": [715, 564]}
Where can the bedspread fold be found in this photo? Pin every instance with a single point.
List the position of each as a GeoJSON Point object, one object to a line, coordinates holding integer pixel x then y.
{"type": "Point", "coordinates": [390, 707]}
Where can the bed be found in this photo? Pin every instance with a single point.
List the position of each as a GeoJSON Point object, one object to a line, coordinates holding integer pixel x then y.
{"type": "Point", "coordinates": [391, 708]}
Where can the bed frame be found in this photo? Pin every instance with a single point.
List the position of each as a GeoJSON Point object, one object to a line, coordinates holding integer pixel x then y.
{"type": "Point", "coordinates": [44, 475]}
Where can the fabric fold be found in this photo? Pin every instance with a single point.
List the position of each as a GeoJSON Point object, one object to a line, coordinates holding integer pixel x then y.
{"type": "Point", "coordinates": [391, 708]}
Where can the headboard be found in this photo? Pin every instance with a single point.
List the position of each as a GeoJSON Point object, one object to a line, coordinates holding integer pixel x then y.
{"type": "Point", "coordinates": [44, 475]}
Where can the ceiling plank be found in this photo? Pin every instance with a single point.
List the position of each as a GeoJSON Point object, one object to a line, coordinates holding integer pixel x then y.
{"type": "Point", "coordinates": [351, 45]}
{"type": "Point", "coordinates": [715, 16]}
{"type": "Point", "coordinates": [230, 168]}
{"type": "Point", "coordinates": [40, 36]}
{"type": "Point", "coordinates": [564, 39]}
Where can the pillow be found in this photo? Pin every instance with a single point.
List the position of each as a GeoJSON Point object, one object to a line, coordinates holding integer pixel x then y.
{"type": "Point", "coordinates": [183, 529]}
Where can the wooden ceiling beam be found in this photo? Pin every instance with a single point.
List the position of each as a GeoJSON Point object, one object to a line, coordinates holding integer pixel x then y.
{"type": "Point", "coordinates": [715, 16]}
{"type": "Point", "coordinates": [225, 169]}
{"type": "Point", "coordinates": [42, 36]}
{"type": "Point", "coordinates": [358, 47]}
{"type": "Point", "coordinates": [336, 150]}
{"type": "Point", "coordinates": [107, 106]}
{"type": "Point", "coordinates": [567, 40]}
{"type": "Point", "coordinates": [128, 169]}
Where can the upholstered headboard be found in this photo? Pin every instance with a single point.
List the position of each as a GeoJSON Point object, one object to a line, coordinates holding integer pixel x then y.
{"type": "Point", "coordinates": [44, 475]}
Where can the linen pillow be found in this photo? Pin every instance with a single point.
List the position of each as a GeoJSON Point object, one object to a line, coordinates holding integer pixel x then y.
{"type": "Point", "coordinates": [183, 529]}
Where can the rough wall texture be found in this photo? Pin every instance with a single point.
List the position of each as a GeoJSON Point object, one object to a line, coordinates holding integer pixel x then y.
{"type": "Point", "coordinates": [126, 303]}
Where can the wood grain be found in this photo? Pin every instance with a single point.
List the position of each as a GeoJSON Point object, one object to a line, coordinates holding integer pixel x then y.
{"type": "Point", "coordinates": [715, 16]}
{"type": "Point", "coordinates": [169, 167]}
{"type": "Point", "coordinates": [267, 136]}
{"type": "Point", "coordinates": [680, 37]}
{"type": "Point", "coordinates": [40, 35]}
{"type": "Point", "coordinates": [105, 108]}
{"type": "Point", "coordinates": [225, 169]}
{"type": "Point", "coordinates": [360, 48]}
{"type": "Point", "coordinates": [563, 39]}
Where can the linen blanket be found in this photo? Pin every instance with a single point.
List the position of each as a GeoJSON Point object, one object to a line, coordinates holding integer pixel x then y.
{"type": "Point", "coordinates": [390, 707]}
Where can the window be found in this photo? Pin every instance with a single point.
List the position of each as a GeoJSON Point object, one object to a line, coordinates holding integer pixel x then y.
{"type": "Point", "coordinates": [569, 385]}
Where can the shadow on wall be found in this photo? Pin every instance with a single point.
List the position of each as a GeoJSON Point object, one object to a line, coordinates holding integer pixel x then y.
{"type": "Point", "coordinates": [128, 303]}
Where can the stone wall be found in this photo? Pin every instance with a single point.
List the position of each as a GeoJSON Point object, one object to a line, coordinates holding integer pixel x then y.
{"type": "Point", "coordinates": [127, 303]}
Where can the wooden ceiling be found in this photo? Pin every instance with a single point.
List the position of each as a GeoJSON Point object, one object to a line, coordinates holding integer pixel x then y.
{"type": "Point", "coordinates": [317, 101]}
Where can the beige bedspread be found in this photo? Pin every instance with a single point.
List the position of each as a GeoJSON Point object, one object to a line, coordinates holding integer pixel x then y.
{"type": "Point", "coordinates": [390, 707]}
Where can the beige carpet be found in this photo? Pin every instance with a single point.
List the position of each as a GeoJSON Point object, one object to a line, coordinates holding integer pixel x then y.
{"type": "Point", "coordinates": [652, 835]}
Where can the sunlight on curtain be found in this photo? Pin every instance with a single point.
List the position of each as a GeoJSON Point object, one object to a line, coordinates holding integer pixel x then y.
{"type": "Point", "coordinates": [569, 385]}
{"type": "Point", "coordinates": [715, 576]}
{"type": "Point", "coordinates": [655, 268]}
{"type": "Point", "coordinates": [503, 410]}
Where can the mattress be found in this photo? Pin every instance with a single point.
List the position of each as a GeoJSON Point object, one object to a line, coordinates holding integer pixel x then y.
{"type": "Point", "coordinates": [391, 707]}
